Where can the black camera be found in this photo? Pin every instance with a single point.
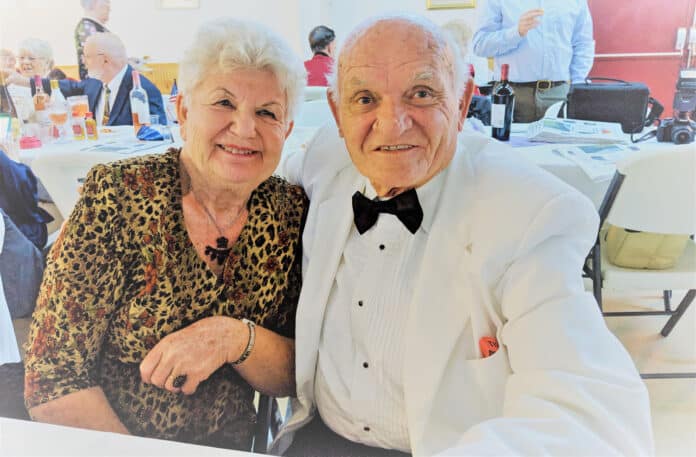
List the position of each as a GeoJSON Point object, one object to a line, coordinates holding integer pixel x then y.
{"type": "Point", "coordinates": [680, 129]}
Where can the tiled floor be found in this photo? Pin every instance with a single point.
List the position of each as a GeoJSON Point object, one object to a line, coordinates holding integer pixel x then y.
{"type": "Point", "coordinates": [673, 400]}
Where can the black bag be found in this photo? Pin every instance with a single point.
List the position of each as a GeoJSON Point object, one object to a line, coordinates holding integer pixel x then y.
{"type": "Point", "coordinates": [480, 108]}
{"type": "Point", "coordinates": [612, 101]}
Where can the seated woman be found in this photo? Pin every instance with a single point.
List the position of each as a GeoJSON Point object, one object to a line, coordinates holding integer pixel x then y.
{"type": "Point", "coordinates": [35, 57]}
{"type": "Point", "coordinates": [170, 294]}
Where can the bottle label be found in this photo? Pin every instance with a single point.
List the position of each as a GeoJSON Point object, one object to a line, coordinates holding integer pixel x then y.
{"type": "Point", "coordinates": [498, 115]}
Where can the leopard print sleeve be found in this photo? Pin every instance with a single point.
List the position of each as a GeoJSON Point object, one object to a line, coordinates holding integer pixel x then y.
{"type": "Point", "coordinates": [292, 204]}
{"type": "Point", "coordinates": [80, 290]}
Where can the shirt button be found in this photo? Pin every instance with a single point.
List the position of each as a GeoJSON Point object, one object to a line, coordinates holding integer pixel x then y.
{"type": "Point", "coordinates": [360, 302]}
{"type": "Point", "coordinates": [365, 364]}
{"type": "Point", "coordinates": [366, 428]}
{"type": "Point", "coordinates": [381, 247]}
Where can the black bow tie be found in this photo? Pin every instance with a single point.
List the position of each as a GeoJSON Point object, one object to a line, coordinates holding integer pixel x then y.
{"type": "Point", "coordinates": [404, 206]}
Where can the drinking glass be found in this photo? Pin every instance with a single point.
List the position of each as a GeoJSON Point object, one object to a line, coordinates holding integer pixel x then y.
{"type": "Point", "coordinates": [78, 105]}
{"type": "Point", "coordinates": [59, 117]}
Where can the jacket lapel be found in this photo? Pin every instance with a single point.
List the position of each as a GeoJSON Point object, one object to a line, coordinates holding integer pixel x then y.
{"type": "Point", "coordinates": [333, 221]}
{"type": "Point", "coordinates": [122, 100]}
{"type": "Point", "coordinates": [440, 308]}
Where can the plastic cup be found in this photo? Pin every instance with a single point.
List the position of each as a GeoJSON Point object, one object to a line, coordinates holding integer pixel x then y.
{"type": "Point", "coordinates": [79, 105]}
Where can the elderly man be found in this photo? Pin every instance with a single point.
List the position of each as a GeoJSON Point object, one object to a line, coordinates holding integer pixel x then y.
{"type": "Point", "coordinates": [443, 309]}
{"type": "Point", "coordinates": [109, 83]}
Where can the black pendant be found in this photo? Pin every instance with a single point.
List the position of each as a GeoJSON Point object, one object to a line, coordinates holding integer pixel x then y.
{"type": "Point", "coordinates": [220, 253]}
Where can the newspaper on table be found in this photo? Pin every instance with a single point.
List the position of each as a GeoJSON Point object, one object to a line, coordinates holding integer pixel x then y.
{"type": "Point", "coordinates": [575, 131]}
{"type": "Point", "coordinates": [597, 161]}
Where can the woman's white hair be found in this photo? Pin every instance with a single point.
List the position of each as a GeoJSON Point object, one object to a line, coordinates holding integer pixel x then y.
{"type": "Point", "coordinates": [38, 48]}
{"type": "Point", "coordinates": [227, 44]}
{"type": "Point", "coordinates": [444, 42]}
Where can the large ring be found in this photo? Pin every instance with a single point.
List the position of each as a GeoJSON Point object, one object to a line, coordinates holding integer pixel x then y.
{"type": "Point", "coordinates": [179, 381]}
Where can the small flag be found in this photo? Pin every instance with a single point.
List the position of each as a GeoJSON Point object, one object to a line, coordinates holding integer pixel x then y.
{"type": "Point", "coordinates": [174, 92]}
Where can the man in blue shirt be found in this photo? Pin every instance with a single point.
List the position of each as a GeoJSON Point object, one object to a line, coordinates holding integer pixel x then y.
{"type": "Point", "coordinates": [547, 43]}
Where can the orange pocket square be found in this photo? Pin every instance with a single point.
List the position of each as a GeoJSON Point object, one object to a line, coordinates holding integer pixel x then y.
{"type": "Point", "coordinates": [488, 346]}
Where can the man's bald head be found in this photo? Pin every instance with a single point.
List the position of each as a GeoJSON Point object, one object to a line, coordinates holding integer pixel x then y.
{"type": "Point", "coordinates": [108, 44]}
{"type": "Point", "coordinates": [374, 32]}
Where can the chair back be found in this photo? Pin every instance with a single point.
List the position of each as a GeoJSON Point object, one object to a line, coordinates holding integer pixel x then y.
{"type": "Point", "coordinates": [314, 113]}
{"type": "Point", "coordinates": [314, 93]}
{"type": "Point", "coordinates": [658, 193]}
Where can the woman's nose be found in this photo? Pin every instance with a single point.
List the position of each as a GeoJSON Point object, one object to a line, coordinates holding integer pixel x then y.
{"type": "Point", "coordinates": [243, 125]}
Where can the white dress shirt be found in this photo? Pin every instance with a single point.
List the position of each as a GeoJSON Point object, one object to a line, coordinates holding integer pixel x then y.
{"type": "Point", "coordinates": [114, 85]}
{"type": "Point", "coordinates": [560, 48]}
{"type": "Point", "coordinates": [359, 383]}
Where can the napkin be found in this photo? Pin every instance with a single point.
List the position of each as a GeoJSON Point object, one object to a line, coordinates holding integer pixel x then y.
{"type": "Point", "coordinates": [148, 133]}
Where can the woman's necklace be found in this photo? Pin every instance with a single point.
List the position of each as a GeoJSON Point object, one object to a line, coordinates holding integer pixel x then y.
{"type": "Point", "coordinates": [220, 253]}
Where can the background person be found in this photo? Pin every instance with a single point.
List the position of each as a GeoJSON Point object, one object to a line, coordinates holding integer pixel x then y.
{"type": "Point", "coordinates": [547, 48]}
{"type": "Point", "coordinates": [96, 15]}
{"type": "Point", "coordinates": [139, 323]}
{"type": "Point", "coordinates": [109, 83]}
{"type": "Point", "coordinates": [446, 313]}
{"type": "Point", "coordinates": [321, 41]}
{"type": "Point", "coordinates": [8, 61]}
{"type": "Point", "coordinates": [35, 57]}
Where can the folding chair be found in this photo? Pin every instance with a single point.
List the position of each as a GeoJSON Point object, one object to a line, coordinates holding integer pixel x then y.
{"type": "Point", "coordinates": [268, 421]}
{"type": "Point", "coordinates": [652, 191]}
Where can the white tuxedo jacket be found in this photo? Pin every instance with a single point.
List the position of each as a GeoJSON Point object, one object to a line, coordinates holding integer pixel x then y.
{"type": "Point", "coordinates": [503, 259]}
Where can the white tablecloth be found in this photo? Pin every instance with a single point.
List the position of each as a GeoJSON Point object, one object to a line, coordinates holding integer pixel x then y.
{"type": "Point", "coordinates": [25, 438]}
{"type": "Point", "coordinates": [59, 165]}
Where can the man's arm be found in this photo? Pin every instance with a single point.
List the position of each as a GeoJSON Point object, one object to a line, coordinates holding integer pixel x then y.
{"type": "Point", "coordinates": [583, 46]}
{"type": "Point", "coordinates": [491, 39]}
{"type": "Point", "coordinates": [573, 388]}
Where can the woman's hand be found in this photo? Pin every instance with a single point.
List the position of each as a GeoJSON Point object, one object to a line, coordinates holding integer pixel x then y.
{"type": "Point", "coordinates": [194, 353]}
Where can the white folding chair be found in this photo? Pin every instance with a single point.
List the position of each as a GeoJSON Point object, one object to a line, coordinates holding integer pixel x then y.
{"type": "Point", "coordinates": [314, 93]}
{"type": "Point", "coordinates": [652, 191]}
{"type": "Point", "coordinates": [314, 113]}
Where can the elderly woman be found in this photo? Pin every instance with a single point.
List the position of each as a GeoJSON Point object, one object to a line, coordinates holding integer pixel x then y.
{"type": "Point", "coordinates": [170, 295]}
{"type": "Point", "coordinates": [35, 57]}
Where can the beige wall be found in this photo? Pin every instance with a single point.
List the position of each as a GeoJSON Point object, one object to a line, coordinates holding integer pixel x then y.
{"type": "Point", "coordinates": [161, 34]}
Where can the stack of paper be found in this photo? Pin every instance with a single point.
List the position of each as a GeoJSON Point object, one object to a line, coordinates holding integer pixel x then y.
{"type": "Point", "coordinates": [557, 130]}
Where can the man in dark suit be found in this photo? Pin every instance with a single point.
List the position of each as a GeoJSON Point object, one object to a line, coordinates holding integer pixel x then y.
{"type": "Point", "coordinates": [109, 82]}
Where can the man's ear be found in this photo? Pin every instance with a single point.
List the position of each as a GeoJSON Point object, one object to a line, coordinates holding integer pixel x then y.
{"type": "Point", "coordinates": [291, 124]}
{"type": "Point", "coordinates": [181, 114]}
{"type": "Point", "coordinates": [464, 103]}
{"type": "Point", "coordinates": [334, 110]}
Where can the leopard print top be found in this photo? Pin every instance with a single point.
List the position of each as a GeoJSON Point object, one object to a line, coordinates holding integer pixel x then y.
{"type": "Point", "coordinates": [123, 274]}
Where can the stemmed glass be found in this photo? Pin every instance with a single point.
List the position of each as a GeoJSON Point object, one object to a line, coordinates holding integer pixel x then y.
{"type": "Point", "coordinates": [58, 114]}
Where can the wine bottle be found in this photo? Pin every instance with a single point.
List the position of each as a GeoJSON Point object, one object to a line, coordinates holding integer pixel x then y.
{"type": "Point", "coordinates": [502, 106]}
{"type": "Point", "coordinates": [140, 106]}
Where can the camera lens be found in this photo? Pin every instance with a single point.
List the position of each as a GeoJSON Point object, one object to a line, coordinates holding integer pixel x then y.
{"type": "Point", "coordinates": [682, 136]}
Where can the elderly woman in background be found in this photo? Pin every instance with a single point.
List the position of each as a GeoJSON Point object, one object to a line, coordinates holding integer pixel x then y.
{"type": "Point", "coordinates": [35, 57]}
{"type": "Point", "coordinates": [171, 293]}
{"type": "Point", "coordinates": [8, 61]}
